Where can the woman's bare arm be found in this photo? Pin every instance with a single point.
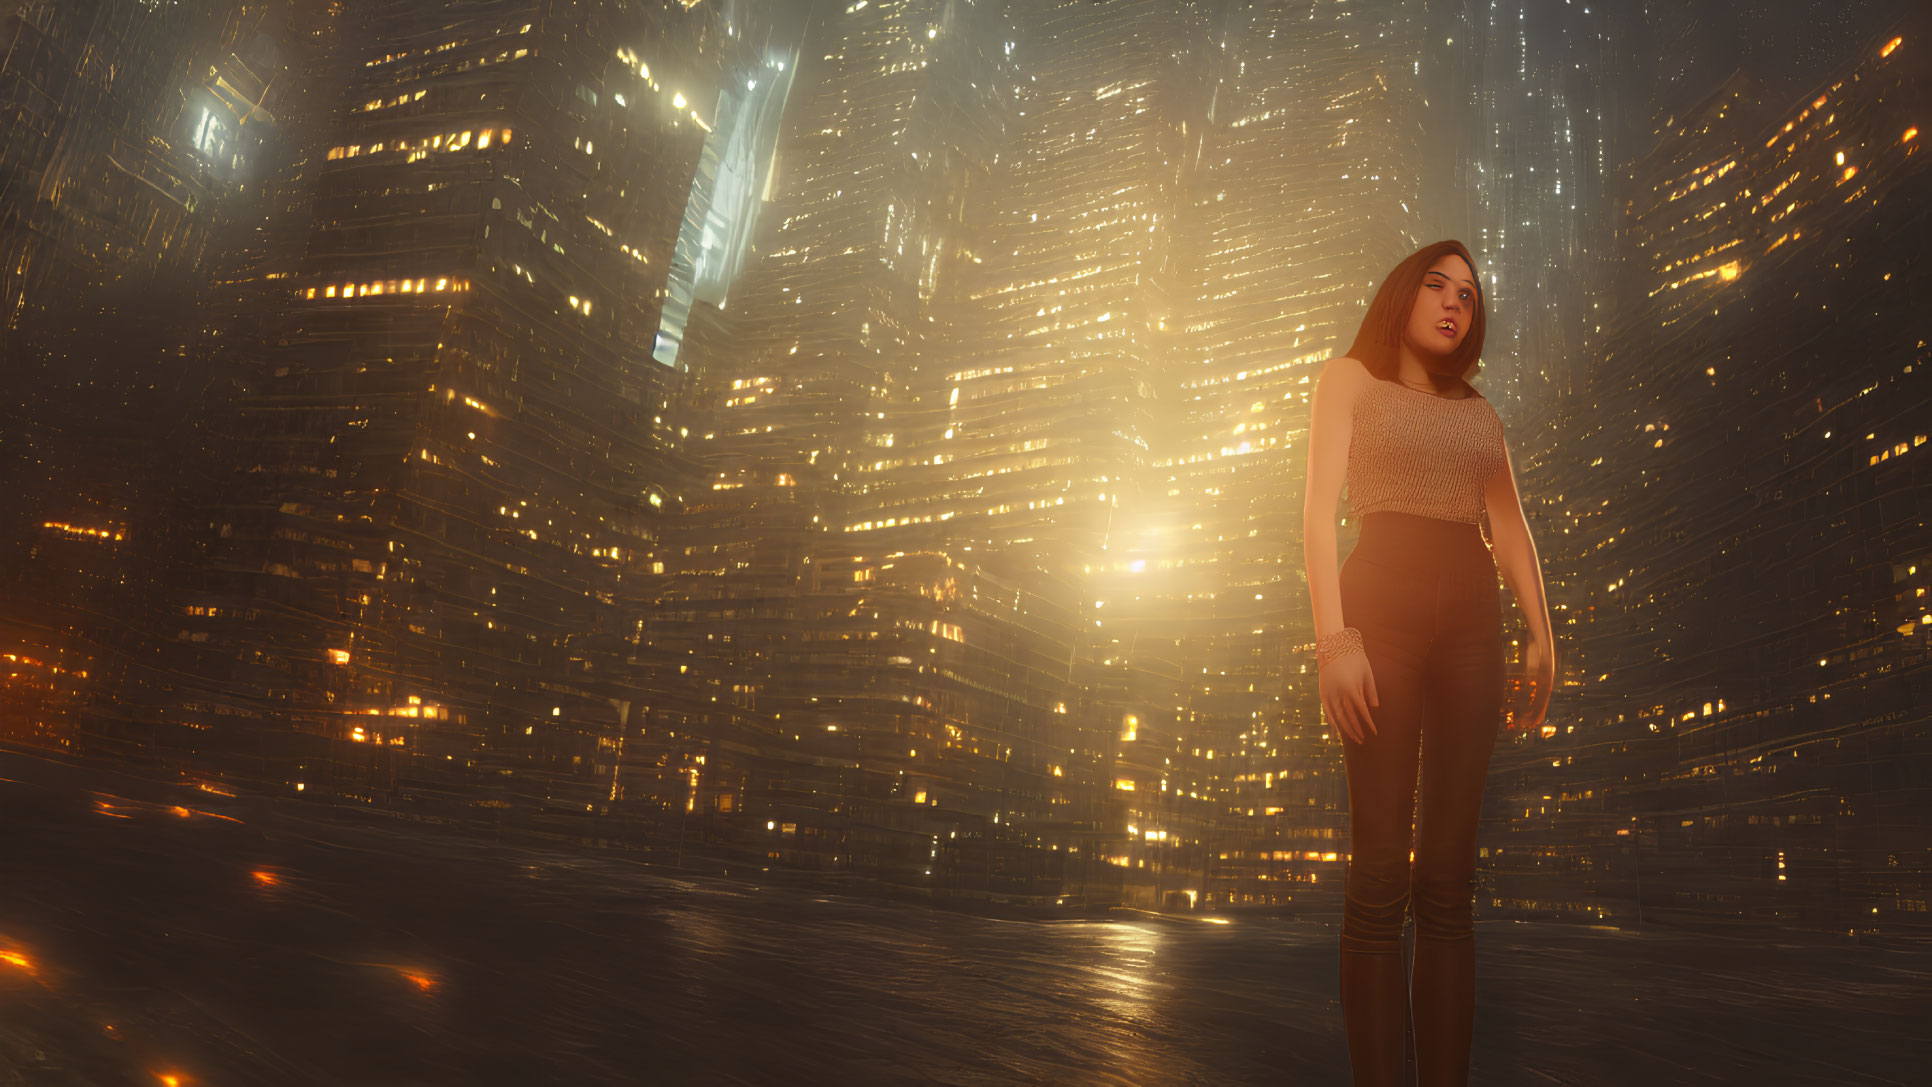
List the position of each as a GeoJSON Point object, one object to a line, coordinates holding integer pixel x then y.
{"type": "Point", "coordinates": [1329, 432]}
{"type": "Point", "coordinates": [1515, 551]}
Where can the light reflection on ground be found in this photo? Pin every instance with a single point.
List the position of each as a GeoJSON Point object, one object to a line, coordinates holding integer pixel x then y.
{"type": "Point", "coordinates": [267, 947]}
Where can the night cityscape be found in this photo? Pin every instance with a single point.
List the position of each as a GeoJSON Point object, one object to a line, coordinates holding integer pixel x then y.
{"type": "Point", "coordinates": [761, 541]}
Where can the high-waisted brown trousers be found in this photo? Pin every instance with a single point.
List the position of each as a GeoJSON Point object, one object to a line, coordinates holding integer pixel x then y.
{"type": "Point", "coordinates": [1423, 593]}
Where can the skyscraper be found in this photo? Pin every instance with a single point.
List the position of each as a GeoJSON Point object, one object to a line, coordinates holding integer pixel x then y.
{"type": "Point", "coordinates": [1302, 195]}
{"type": "Point", "coordinates": [1522, 119]}
{"type": "Point", "coordinates": [449, 441]}
{"type": "Point", "coordinates": [128, 156]}
{"type": "Point", "coordinates": [734, 169]}
{"type": "Point", "coordinates": [805, 639]}
{"type": "Point", "coordinates": [1746, 507]}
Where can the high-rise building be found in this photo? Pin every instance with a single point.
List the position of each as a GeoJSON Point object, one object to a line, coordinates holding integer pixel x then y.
{"type": "Point", "coordinates": [129, 153]}
{"type": "Point", "coordinates": [843, 687]}
{"type": "Point", "coordinates": [1522, 118]}
{"type": "Point", "coordinates": [1744, 498]}
{"type": "Point", "coordinates": [1302, 194]}
{"type": "Point", "coordinates": [1045, 613]}
{"type": "Point", "coordinates": [1041, 433]}
{"type": "Point", "coordinates": [449, 447]}
{"type": "Point", "coordinates": [735, 166]}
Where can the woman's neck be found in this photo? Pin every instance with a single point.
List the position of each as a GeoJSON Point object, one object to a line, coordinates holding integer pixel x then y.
{"type": "Point", "coordinates": [1410, 371]}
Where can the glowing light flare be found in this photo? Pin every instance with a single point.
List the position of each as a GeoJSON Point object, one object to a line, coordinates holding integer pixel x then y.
{"type": "Point", "coordinates": [1886, 49]}
{"type": "Point", "coordinates": [266, 878]}
{"type": "Point", "coordinates": [20, 961]}
{"type": "Point", "coordinates": [111, 532]}
{"type": "Point", "coordinates": [423, 980]}
{"type": "Point", "coordinates": [102, 807]}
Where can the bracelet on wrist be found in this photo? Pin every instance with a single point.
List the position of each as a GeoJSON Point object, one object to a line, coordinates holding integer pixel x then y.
{"type": "Point", "coordinates": [1339, 644]}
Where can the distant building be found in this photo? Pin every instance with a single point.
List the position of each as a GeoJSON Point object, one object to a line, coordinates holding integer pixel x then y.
{"type": "Point", "coordinates": [804, 664]}
{"type": "Point", "coordinates": [1301, 193]}
{"type": "Point", "coordinates": [449, 454]}
{"type": "Point", "coordinates": [130, 151]}
{"type": "Point", "coordinates": [1522, 120]}
{"type": "Point", "coordinates": [1742, 508]}
{"type": "Point", "coordinates": [734, 170]}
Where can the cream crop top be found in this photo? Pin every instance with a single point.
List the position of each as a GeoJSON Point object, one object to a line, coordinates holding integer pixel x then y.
{"type": "Point", "coordinates": [1419, 453]}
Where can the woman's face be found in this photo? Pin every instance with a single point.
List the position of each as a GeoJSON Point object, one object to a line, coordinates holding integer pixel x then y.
{"type": "Point", "coordinates": [1445, 305]}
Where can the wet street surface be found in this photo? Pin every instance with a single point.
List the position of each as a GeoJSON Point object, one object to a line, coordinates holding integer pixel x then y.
{"type": "Point", "coordinates": [219, 941]}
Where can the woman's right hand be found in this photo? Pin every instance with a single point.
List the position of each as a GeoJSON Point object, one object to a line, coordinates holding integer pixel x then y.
{"type": "Point", "coordinates": [1348, 691]}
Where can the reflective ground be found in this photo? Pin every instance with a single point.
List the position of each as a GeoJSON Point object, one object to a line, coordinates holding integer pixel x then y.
{"type": "Point", "coordinates": [232, 942]}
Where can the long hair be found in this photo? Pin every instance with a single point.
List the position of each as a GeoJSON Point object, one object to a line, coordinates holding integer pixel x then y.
{"type": "Point", "coordinates": [1376, 342]}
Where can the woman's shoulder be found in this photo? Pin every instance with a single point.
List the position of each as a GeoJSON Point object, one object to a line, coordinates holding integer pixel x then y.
{"type": "Point", "coordinates": [1349, 376]}
{"type": "Point", "coordinates": [1348, 368]}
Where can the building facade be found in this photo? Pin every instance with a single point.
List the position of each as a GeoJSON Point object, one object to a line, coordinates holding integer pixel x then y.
{"type": "Point", "coordinates": [1742, 508]}
{"type": "Point", "coordinates": [447, 447]}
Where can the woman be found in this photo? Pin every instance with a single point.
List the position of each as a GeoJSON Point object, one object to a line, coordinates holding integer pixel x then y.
{"type": "Point", "coordinates": [1409, 644]}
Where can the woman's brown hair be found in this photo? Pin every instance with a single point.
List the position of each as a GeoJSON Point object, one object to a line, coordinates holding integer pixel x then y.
{"type": "Point", "coordinates": [1388, 313]}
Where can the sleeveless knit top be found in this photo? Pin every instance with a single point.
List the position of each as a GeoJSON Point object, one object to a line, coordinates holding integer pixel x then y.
{"type": "Point", "coordinates": [1419, 453]}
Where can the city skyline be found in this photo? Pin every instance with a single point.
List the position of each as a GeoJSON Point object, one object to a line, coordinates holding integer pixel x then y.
{"type": "Point", "coordinates": [868, 436]}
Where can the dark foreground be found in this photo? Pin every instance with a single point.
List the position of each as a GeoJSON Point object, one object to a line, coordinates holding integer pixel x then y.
{"type": "Point", "coordinates": [230, 942]}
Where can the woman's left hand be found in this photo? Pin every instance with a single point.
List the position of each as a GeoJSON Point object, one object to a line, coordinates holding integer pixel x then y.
{"type": "Point", "coordinates": [1539, 673]}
